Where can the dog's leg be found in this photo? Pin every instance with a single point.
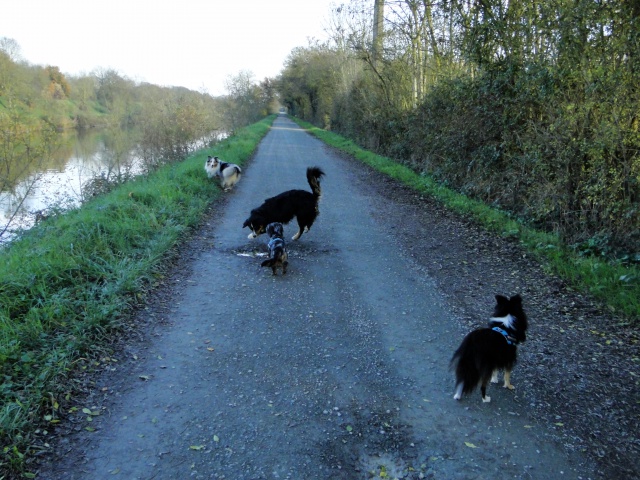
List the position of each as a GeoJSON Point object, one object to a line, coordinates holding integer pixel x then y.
{"type": "Point", "coordinates": [494, 377]}
{"type": "Point", "coordinates": [507, 380]}
{"type": "Point", "coordinates": [298, 234]}
{"type": "Point", "coordinates": [285, 264]}
{"type": "Point", "coordinates": [486, 376]}
{"type": "Point", "coordinates": [458, 394]}
{"type": "Point", "coordinates": [485, 398]}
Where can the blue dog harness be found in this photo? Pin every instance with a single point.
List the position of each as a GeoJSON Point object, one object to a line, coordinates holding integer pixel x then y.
{"type": "Point", "coordinates": [275, 242]}
{"type": "Point", "coordinates": [510, 340]}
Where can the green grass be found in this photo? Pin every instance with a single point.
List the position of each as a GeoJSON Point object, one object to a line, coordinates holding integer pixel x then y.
{"type": "Point", "coordinates": [67, 284]}
{"type": "Point", "coordinates": [614, 283]}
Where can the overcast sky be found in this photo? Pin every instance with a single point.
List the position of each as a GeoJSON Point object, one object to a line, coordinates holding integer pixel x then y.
{"type": "Point", "coordinates": [192, 43]}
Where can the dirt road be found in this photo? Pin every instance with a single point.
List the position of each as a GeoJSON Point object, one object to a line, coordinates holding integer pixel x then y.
{"type": "Point", "coordinates": [338, 370]}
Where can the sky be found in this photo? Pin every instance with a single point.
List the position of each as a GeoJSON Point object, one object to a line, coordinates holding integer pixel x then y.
{"type": "Point", "coordinates": [197, 44]}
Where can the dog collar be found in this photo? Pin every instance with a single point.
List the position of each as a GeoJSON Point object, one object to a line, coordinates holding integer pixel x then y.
{"type": "Point", "coordinates": [510, 340]}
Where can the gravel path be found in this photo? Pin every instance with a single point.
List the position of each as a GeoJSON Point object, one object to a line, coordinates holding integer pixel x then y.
{"type": "Point", "coordinates": [339, 370]}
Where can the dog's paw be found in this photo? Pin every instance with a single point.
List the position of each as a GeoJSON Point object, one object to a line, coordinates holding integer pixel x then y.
{"type": "Point", "coordinates": [509, 386]}
{"type": "Point", "coordinates": [494, 377]}
{"type": "Point", "coordinates": [486, 399]}
{"type": "Point", "coordinates": [458, 394]}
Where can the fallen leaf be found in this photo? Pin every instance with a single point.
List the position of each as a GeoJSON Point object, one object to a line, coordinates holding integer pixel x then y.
{"type": "Point", "coordinates": [216, 438]}
{"type": "Point", "coordinates": [196, 447]}
{"type": "Point", "coordinates": [470, 445]}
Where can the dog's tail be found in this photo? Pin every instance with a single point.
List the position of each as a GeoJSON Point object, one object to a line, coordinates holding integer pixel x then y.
{"type": "Point", "coordinates": [470, 362]}
{"type": "Point", "coordinates": [269, 262]}
{"type": "Point", "coordinates": [313, 177]}
{"type": "Point", "coordinates": [278, 255]}
{"type": "Point", "coordinates": [465, 363]}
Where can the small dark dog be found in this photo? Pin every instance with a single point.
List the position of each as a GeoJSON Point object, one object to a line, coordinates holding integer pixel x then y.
{"type": "Point", "coordinates": [486, 350]}
{"type": "Point", "coordinates": [229, 173]}
{"type": "Point", "coordinates": [283, 207]}
{"type": "Point", "coordinates": [277, 252]}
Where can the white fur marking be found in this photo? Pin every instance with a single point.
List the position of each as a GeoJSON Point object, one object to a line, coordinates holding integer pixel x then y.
{"type": "Point", "coordinates": [486, 399]}
{"type": "Point", "coordinates": [506, 321]}
{"type": "Point", "coordinates": [458, 394]}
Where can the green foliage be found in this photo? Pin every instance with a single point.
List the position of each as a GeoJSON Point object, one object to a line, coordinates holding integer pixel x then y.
{"type": "Point", "coordinates": [532, 107]}
{"type": "Point", "coordinates": [616, 283]}
{"type": "Point", "coordinates": [246, 101]}
{"type": "Point", "coordinates": [66, 285]}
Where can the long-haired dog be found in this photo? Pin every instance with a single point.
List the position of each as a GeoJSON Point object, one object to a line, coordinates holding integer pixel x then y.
{"type": "Point", "coordinates": [283, 207]}
{"type": "Point", "coordinates": [229, 173]}
{"type": "Point", "coordinates": [486, 350]}
{"type": "Point", "coordinates": [277, 251]}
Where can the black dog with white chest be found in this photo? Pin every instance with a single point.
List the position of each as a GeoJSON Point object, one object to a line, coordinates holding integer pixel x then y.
{"type": "Point", "coordinates": [277, 251]}
{"type": "Point", "coordinates": [486, 350]}
{"type": "Point", "coordinates": [283, 207]}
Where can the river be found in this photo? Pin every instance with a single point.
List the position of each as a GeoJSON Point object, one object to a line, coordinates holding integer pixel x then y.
{"type": "Point", "coordinates": [60, 181]}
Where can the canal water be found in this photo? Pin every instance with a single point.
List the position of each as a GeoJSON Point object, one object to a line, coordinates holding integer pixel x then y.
{"type": "Point", "coordinates": [59, 181]}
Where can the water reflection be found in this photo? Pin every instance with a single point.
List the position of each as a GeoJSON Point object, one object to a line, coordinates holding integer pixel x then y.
{"type": "Point", "coordinates": [75, 172]}
{"type": "Point", "coordinates": [61, 180]}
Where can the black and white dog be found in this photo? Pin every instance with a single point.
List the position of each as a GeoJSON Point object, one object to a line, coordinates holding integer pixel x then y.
{"type": "Point", "coordinates": [486, 350]}
{"type": "Point", "coordinates": [283, 207]}
{"type": "Point", "coordinates": [277, 251]}
{"type": "Point", "coordinates": [229, 173]}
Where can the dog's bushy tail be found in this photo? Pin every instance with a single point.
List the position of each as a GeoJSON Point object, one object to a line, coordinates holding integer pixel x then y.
{"type": "Point", "coordinates": [472, 361]}
{"type": "Point", "coordinates": [313, 177]}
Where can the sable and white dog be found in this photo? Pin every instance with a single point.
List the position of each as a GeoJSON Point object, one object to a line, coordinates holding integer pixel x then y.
{"type": "Point", "coordinates": [229, 173]}
{"type": "Point", "coordinates": [277, 251]}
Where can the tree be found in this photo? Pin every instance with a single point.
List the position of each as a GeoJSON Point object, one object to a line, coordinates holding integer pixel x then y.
{"type": "Point", "coordinates": [246, 101]}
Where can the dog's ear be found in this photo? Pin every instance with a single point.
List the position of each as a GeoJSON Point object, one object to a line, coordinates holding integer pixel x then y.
{"type": "Point", "coordinates": [501, 299]}
{"type": "Point", "coordinates": [516, 299]}
{"type": "Point", "coordinates": [246, 223]}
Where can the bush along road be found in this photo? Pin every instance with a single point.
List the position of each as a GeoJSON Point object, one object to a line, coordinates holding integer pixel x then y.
{"type": "Point", "coordinates": [339, 369]}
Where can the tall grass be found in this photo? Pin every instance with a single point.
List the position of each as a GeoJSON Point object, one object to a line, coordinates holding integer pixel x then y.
{"type": "Point", "coordinates": [66, 284]}
{"type": "Point", "coordinates": [616, 284]}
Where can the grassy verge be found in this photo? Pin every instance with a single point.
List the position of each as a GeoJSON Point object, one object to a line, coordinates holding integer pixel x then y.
{"type": "Point", "coordinates": [616, 284]}
{"type": "Point", "coordinates": [66, 285]}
